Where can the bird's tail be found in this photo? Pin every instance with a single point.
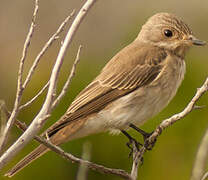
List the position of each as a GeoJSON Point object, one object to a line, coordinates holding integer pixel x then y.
{"type": "Point", "coordinates": [57, 139]}
{"type": "Point", "coordinates": [39, 151]}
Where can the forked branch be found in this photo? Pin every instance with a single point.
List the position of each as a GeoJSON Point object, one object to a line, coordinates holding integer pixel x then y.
{"type": "Point", "coordinates": [45, 111]}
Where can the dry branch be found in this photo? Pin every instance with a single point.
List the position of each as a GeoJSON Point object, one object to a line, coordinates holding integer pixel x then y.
{"type": "Point", "coordinates": [205, 176]}
{"type": "Point", "coordinates": [135, 164]}
{"type": "Point", "coordinates": [38, 58]}
{"type": "Point", "coordinates": [35, 97]}
{"type": "Point", "coordinates": [86, 155]}
{"type": "Point", "coordinates": [45, 111]}
{"type": "Point", "coordinates": [201, 159]}
{"type": "Point", "coordinates": [168, 122]}
{"type": "Point", "coordinates": [45, 48]}
{"type": "Point", "coordinates": [69, 79]}
{"type": "Point", "coordinates": [15, 111]}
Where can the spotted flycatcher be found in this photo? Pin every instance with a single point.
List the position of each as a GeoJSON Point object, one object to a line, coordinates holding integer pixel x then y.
{"type": "Point", "coordinates": [137, 83]}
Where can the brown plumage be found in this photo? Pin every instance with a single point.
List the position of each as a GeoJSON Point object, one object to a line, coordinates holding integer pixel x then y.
{"type": "Point", "coordinates": [136, 84]}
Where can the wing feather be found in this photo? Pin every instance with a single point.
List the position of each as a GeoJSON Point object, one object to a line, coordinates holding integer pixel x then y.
{"type": "Point", "coordinates": [117, 79]}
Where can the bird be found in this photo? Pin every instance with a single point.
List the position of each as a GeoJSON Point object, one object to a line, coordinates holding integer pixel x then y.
{"type": "Point", "coordinates": [136, 84]}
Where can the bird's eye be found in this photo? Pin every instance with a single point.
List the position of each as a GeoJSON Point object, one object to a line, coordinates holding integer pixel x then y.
{"type": "Point", "coordinates": [168, 33]}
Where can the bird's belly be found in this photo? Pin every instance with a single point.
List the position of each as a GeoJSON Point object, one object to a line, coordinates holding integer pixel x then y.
{"type": "Point", "coordinates": [137, 107]}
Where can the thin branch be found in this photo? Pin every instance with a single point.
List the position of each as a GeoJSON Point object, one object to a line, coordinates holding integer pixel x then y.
{"type": "Point", "coordinates": [205, 176]}
{"type": "Point", "coordinates": [86, 155]}
{"type": "Point", "coordinates": [21, 86]}
{"type": "Point", "coordinates": [69, 79]}
{"type": "Point", "coordinates": [93, 166]}
{"type": "Point", "coordinates": [35, 97]}
{"type": "Point", "coordinates": [201, 159]}
{"type": "Point", "coordinates": [45, 48]}
{"type": "Point", "coordinates": [39, 56]}
{"type": "Point", "coordinates": [3, 116]}
{"type": "Point", "coordinates": [40, 119]}
{"type": "Point", "coordinates": [15, 111]}
{"type": "Point", "coordinates": [135, 164]}
{"type": "Point", "coordinates": [168, 122]}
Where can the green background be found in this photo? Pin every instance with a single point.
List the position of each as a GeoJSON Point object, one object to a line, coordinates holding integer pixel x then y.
{"type": "Point", "coordinates": [109, 27]}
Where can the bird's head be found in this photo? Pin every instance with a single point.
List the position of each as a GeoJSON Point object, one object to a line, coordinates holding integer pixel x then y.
{"type": "Point", "coordinates": [167, 31]}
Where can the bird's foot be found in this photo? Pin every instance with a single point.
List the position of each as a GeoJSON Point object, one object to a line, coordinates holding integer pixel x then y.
{"type": "Point", "coordinates": [148, 145]}
{"type": "Point", "coordinates": [131, 143]}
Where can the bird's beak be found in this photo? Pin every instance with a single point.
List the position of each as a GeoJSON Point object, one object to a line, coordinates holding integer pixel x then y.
{"type": "Point", "coordinates": [196, 41]}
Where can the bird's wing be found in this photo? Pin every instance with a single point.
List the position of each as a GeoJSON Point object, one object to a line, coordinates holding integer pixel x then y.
{"type": "Point", "coordinates": [117, 79]}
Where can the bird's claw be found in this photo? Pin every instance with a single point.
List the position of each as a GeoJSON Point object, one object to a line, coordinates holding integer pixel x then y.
{"type": "Point", "coordinates": [130, 143]}
{"type": "Point", "coordinates": [149, 145]}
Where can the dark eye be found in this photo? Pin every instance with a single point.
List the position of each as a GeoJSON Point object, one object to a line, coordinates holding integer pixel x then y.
{"type": "Point", "coordinates": [168, 33]}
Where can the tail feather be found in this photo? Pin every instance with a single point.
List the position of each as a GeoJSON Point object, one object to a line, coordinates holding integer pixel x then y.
{"type": "Point", "coordinates": [39, 151]}
{"type": "Point", "coordinates": [58, 138]}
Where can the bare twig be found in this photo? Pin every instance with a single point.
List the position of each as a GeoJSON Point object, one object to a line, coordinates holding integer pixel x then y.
{"type": "Point", "coordinates": [45, 48]}
{"type": "Point", "coordinates": [40, 119]}
{"type": "Point", "coordinates": [3, 116]}
{"type": "Point", "coordinates": [201, 159]}
{"type": "Point", "coordinates": [69, 79]}
{"type": "Point", "coordinates": [135, 164]}
{"type": "Point", "coordinates": [15, 111]}
{"type": "Point", "coordinates": [93, 166]}
{"type": "Point", "coordinates": [22, 86]}
{"type": "Point", "coordinates": [168, 122]}
{"type": "Point", "coordinates": [86, 155]}
{"type": "Point", "coordinates": [205, 176]}
{"type": "Point", "coordinates": [35, 97]}
{"type": "Point", "coordinates": [37, 60]}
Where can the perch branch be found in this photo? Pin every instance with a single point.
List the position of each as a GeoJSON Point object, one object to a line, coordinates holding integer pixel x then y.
{"type": "Point", "coordinates": [135, 164]}
{"type": "Point", "coordinates": [168, 122]}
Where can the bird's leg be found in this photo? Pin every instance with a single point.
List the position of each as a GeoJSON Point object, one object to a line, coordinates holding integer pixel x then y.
{"type": "Point", "coordinates": [145, 136]}
{"type": "Point", "coordinates": [143, 133]}
{"type": "Point", "coordinates": [131, 140]}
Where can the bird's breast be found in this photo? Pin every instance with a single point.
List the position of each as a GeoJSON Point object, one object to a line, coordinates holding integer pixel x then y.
{"type": "Point", "coordinates": [145, 102]}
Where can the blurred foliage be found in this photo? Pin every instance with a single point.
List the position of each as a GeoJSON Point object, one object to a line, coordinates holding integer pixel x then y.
{"type": "Point", "coordinates": [109, 27]}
